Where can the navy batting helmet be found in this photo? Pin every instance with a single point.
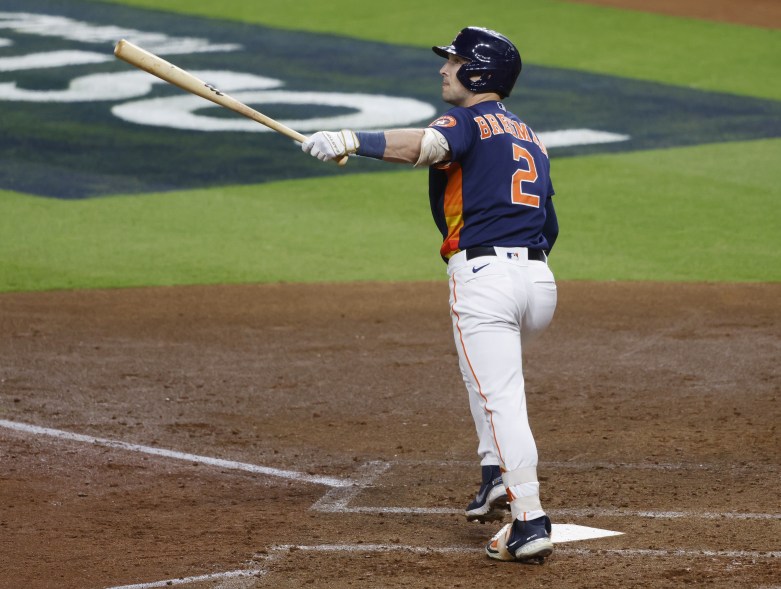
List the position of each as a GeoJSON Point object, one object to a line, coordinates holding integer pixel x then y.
{"type": "Point", "coordinates": [491, 56]}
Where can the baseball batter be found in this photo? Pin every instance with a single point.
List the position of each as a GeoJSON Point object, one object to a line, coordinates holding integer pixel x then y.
{"type": "Point", "coordinates": [490, 192]}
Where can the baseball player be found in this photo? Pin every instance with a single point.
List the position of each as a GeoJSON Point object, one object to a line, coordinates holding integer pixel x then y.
{"type": "Point", "coordinates": [490, 193]}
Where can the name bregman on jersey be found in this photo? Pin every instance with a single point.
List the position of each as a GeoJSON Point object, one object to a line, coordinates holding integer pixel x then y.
{"type": "Point", "coordinates": [499, 124]}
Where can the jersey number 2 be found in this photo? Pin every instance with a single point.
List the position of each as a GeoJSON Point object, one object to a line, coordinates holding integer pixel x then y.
{"type": "Point", "coordinates": [520, 176]}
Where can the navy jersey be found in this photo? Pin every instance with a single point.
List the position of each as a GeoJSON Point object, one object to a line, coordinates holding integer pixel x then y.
{"type": "Point", "coordinates": [495, 188]}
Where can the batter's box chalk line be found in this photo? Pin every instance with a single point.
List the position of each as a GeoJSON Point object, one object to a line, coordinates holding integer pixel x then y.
{"type": "Point", "coordinates": [344, 490]}
{"type": "Point", "coordinates": [337, 500]}
{"type": "Point", "coordinates": [175, 455]}
{"type": "Point", "coordinates": [279, 552]}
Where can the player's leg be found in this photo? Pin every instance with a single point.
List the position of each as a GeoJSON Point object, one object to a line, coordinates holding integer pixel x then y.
{"type": "Point", "coordinates": [535, 292]}
{"type": "Point", "coordinates": [541, 298]}
{"type": "Point", "coordinates": [487, 314]}
{"type": "Point", "coordinates": [528, 537]}
{"type": "Point", "coordinates": [486, 329]}
{"type": "Point", "coordinates": [486, 448]}
{"type": "Point", "coordinates": [490, 502]}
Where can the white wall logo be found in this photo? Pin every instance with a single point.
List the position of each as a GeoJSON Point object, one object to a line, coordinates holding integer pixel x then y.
{"type": "Point", "coordinates": [129, 88]}
{"type": "Point", "coordinates": [68, 102]}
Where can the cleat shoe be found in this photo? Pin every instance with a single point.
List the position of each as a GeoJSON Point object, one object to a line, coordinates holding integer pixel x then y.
{"type": "Point", "coordinates": [490, 504]}
{"type": "Point", "coordinates": [522, 541]}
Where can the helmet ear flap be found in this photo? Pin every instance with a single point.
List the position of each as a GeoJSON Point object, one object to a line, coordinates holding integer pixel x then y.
{"type": "Point", "coordinates": [478, 79]}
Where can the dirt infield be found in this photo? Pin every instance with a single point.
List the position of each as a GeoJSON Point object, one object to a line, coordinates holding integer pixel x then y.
{"type": "Point", "coordinates": [319, 436]}
{"type": "Point", "coordinates": [340, 407]}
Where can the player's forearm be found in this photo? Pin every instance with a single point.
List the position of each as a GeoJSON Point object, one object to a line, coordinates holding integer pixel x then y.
{"type": "Point", "coordinates": [407, 146]}
{"type": "Point", "coordinates": [402, 145]}
{"type": "Point", "coordinates": [421, 147]}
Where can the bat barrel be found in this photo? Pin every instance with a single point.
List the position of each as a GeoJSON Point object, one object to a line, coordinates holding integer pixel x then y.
{"type": "Point", "coordinates": [159, 67]}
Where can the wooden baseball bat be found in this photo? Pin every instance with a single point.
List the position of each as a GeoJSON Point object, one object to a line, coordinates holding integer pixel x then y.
{"type": "Point", "coordinates": [157, 66]}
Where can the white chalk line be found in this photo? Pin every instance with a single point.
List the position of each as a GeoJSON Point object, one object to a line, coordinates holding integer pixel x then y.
{"type": "Point", "coordinates": [198, 579]}
{"type": "Point", "coordinates": [217, 462]}
{"type": "Point", "coordinates": [559, 550]}
{"type": "Point", "coordinates": [288, 549]}
{"type": "Point", "coordinates": [674, 552]}
{"type": "Point", "coordinates": [345, 490]}
{"type": "Point", "coordinates": [338, 501]}
{"type": "Point", "coordinates": [325, 506]}
{"type": "Point", "coordinates": [649, 514]}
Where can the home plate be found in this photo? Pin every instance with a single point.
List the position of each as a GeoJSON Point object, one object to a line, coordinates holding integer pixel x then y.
{"type": "Point", "coordinates": [573, 533]}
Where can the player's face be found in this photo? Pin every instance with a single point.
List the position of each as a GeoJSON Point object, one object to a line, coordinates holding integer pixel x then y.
{"type": "Point", "coordinates": [453, 91]}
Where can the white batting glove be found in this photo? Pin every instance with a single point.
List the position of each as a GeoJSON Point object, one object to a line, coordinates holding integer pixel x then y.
{"type": "Point", "coordinates": [327, 145]}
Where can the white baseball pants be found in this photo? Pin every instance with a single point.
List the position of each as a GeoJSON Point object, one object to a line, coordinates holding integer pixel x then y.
{"type": "Point", "coordinates": [498, 304]}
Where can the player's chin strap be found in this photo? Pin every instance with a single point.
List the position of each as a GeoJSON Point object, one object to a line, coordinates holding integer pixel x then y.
{"type": "Point", "coordinates": [523, 490]}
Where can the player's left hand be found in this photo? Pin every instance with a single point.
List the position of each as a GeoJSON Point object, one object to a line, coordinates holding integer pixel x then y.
{"type": "Point", "coordinates": [328, 145]}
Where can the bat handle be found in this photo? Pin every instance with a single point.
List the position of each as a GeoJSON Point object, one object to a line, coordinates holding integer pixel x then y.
{"type": "Point", "coordinates": [301, 138]}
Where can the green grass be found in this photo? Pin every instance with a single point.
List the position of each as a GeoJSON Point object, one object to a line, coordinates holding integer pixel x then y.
{"type": "Point", "coordinates": [692, 214]}
{"type": "Point", "coordinates": [685, 52]}
{"type": "Point", "coordinates": [707, 213]}
{"type": "Point", "coordinates": [289, 231]}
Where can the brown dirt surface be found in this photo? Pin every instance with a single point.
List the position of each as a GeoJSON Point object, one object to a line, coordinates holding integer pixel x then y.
{"type": "Point", "coordinates": [655, 406]}
{"type": "Point", "coordinates": [758, 13]}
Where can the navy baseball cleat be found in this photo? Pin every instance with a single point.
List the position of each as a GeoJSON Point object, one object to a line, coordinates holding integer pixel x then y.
{"type": "Point", "coordinates": [522, 541]}
{"type": "Point", "coordinates": [490, 504]}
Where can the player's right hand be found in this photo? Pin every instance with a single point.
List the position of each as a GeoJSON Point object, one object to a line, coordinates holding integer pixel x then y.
{"type": "Point", "coordinates": [327, 145]}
